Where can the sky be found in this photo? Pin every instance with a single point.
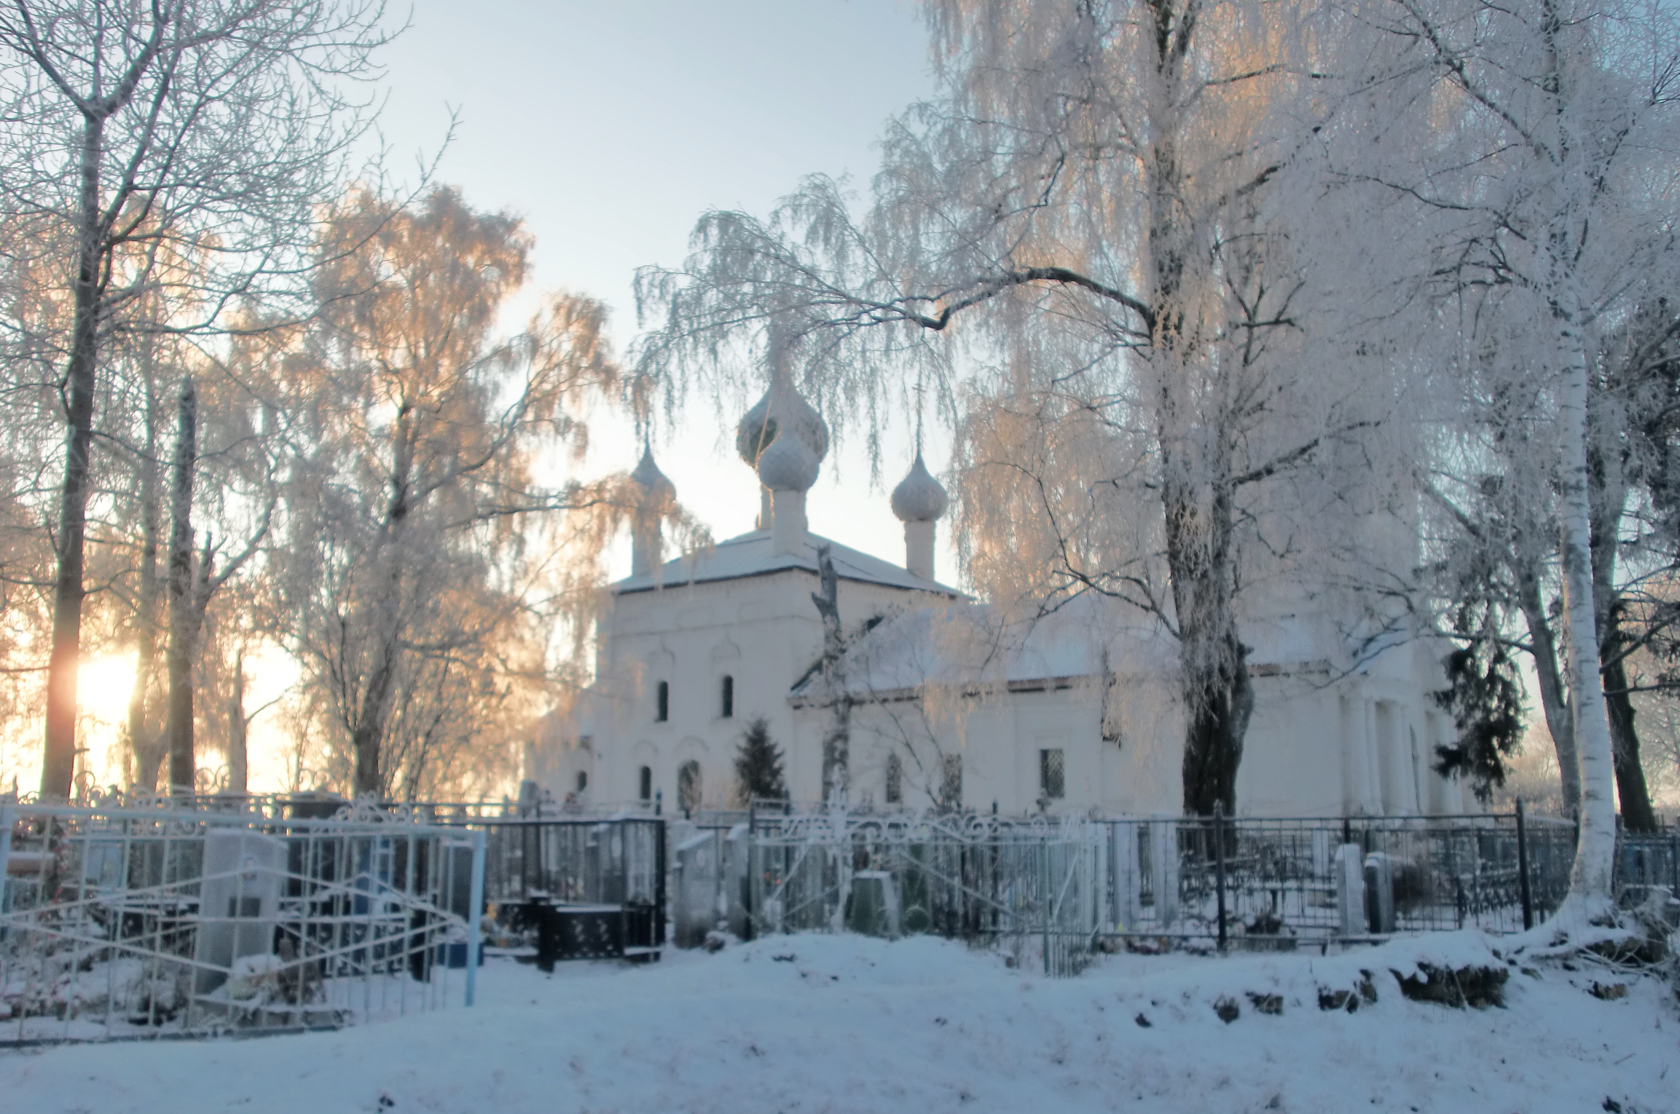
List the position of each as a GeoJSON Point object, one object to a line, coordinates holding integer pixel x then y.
{"type": "Point", "coordinates": [611, 127]}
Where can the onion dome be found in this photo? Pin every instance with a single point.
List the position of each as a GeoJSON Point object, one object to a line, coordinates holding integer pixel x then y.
{"type": "Point", "coordinates": [919, 497]}
{"type": "Point", "coordinates": [788, 465]}
{"type": "Point", "coordinates": [651, 480]}
{"type": "Point", "coordinates": [782, 407]}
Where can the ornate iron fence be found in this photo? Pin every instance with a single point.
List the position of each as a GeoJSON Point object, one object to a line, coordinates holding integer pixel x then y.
{"type": "Point", "coordinates": [615, 867]}
{"type": "Point", "coordinates": [1063, 888]}
{"type": "Point", "coordinates": [143, 922]}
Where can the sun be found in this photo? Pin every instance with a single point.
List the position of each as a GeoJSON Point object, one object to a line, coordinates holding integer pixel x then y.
{"type": "Point", "coordinates": [102, 691]}
{"type": "Point", "coordinates": [103, 687]}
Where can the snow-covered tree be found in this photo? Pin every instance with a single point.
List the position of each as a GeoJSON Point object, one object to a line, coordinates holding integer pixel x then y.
{"type": "Point", "coordinates": [1109, 210]}
{"type": "Point", "coordinates": [133, 131]}
{"type": "Point", "coordinates": [427, 561]}
{"type": "Point", "coordinates": [1538, 144]}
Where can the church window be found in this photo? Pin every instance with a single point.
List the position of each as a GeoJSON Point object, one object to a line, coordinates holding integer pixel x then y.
{"type": "Point", "coordinates": [1052, 779]}
{"type": "Point", "coordinates": [728, 697]}
{"type": "Point", "coordinates": [895, 779]}
{"type": "Point", "coordinates": [645, 790]}
{"type": "Point", "coordinates": [662, 712]}
{"type": "Point", "coordinates": [582, 780]}
{"type": "Point", "coordinates": [688, 787]}
{"type": "Point", "coordinates": [950, 785]}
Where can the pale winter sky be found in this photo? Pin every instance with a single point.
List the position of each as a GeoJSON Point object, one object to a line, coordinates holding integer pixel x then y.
{"type": "Point", "coordinates": [610, 127]}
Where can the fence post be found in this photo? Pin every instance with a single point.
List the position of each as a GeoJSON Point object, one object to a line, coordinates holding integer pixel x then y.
{"type": "Point", "coordinates": [5, 849]}
{"type": "Point", "coordinates": [1522, 869]}
{"type": "Point", "coordinates": [1044, 896]}
{"type": "Point", "coordinates": [754, 872]}
{"type": "Point", "coordinates": [661, 899]}
{"type": "Point", "coordinates": [1123, 865]}
{"type": "Point", "coordinates": [475, 912]}
{"type": "Point", "coordinates": [1219, 864]}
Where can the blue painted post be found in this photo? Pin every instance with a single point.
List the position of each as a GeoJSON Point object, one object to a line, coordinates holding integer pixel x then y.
{"type": "Point", "coordinates": [475, 912]}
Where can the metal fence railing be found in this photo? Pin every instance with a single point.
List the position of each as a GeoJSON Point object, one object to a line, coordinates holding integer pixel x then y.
{"type": "Point", "coordinates": [144, 922]}
{"type": "Point", "coordinates": [606, 875]}
{"type": "Point", "coordinates": [1066, 887]}
{"type": "Point", "coordinates": [950, 875]}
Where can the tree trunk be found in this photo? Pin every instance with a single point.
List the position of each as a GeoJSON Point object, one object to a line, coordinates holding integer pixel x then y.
{"type": "Point", "coordinates": [143, 741]}
{"type": "Point", "coordinates": [58, 764]}
{"type": "Point", "coordinates": [836, 752]}
{"type": "Point", "coordinates": [1560, 717]}
{"type": "Point", "coordinates": [237, 775]}
{"type": "Point", "coordinates": [1637, 813]}
{"type": "Point", "coordinates": [1589, 883]}
{"type": "Point", "coordinates": [368, 729]}
{"type": "Point", "coordinates": [184, 611]}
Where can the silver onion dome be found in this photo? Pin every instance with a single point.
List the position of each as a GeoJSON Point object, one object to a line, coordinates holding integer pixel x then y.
{"type": "Point", "coordinates": [781, 408]}
{"type": "Point", "coordinates": [919, 497]}
{"type": "Point", "coordinates": [788, 465]}
{"type": "Point", "coordinates": [651, 480]}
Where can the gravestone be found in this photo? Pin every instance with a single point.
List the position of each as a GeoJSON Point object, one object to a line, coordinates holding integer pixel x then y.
{"type": "Point", "coordinates": [695, 910]}
{"type": "Point", "coordinates": [736, 858]}
{"type": "Point", "coordinates": [1379, 892]}
{"type": "Point", "coordinates": [238, 901]}
{"type": "Point", "coordinates": [1350, 889]}
{"type": "Point", "coordinates": [873, 907]}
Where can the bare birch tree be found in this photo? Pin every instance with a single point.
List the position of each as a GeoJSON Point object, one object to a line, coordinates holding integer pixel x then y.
{"type": "Point", "coordinates": [135, 127]}
{"type": "Point", "coordinates": [428, 567]}
{"type": "Point", "coordinates": [1096, 205]}
{"type": "Point", "coordinates": [1540, 154]}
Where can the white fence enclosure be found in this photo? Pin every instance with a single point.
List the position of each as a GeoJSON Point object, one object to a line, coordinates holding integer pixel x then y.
{"type": "Point", "coordinates": [121, 923]}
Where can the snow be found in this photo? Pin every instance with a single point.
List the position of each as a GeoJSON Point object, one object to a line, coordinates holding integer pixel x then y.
{"type": "Point", "coordinates": [846, 1023]}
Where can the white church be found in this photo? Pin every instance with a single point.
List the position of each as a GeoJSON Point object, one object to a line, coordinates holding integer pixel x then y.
{"type": "Point", "coordinates": [948, 708]}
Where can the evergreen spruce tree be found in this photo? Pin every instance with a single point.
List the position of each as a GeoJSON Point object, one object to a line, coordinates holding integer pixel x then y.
{"type": "Point", "coordinates": [758, 765]}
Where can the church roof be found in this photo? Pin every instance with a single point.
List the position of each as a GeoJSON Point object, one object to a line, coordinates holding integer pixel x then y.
{"type": "Point", "coordinates": [754, 555]}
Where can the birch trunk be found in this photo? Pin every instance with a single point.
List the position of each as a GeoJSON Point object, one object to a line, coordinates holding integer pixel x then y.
{"type": "Point", "coordinates": [144, 744]}
{"type": "Point", "coordinates": [1589, 883]}
{"type": "Point", "coordinates": [367, 735]}
{"type": "Point", "coordinates": [184, 612]}
{"type": "Point", "coordinates": [58, 765]}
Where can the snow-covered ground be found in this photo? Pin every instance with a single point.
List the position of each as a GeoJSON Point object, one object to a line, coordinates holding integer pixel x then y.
{"type": "Point", "coordinates": [845, 1023]}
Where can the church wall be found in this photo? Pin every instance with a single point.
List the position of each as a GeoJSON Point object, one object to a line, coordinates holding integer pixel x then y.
{"type": "Point", "coordinates": [763, 631]}
{"type": "Point", "coordinates": [1362, 745]}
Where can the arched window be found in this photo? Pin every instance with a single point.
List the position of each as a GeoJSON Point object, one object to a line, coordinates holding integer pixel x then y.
{"type": "Point", "coordinates": [950, 783]}
{"type": "Point", "coordinates": [662, 712]}
{"type": "Point", "coordinates": [582, 780]}
{"type": "Point", "coordinates": [1052, 770]}
{"type": "Point", "coordinates": [688, 786]}
{"type": "Point", "coordinates": [728, 696]}
{"type": "Point", "coordinates": [645, 790]}
{"type": "Point", "coordinates": [895, 779]}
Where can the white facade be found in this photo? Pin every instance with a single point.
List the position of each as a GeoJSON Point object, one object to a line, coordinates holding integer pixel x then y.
{"type": "Point", "coordinates": [1073, 714]}
{"type": "Point", "coordinates": [1318, 744]}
